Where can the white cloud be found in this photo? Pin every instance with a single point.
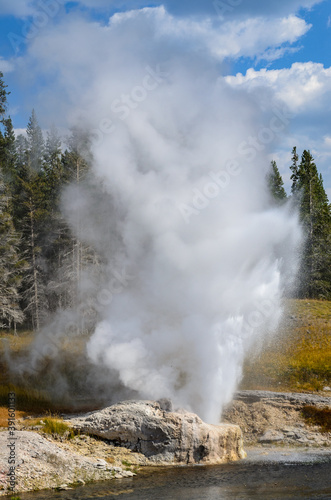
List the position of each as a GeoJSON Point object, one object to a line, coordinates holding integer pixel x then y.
{"type": "Point", "coordinates": [19, 8]}
{"type": "Point", "coordinates": [65, 56]}
{"type": "Point", "coordinates": [6, 66]}
{"type": "Point", "coordinates": [185, 8]}
{"type": "Point", "coordinates": [20, 131]}
{"type": "Point", "coordinates": [306, 90]}
{"type": "Point", "coordinates": [76, 42]}
{"type": "Point", "coordinates": [257, 37]}
{"type": "Point", "coordinates": [213, 8]}
{"type": "Point", "coordinates": [303, 86]}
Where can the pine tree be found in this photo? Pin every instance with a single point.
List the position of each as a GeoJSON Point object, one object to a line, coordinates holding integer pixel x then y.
{"type": "Point", "coordinates": [21, 150]}
{"type": "Point", "coordinates": [276, 184]}
{"type": "Point", "coordinates": [36, 145]}
{"type": "Point", "coordinates": [56, 228]}
{"type": "Point", "coordinates": [315, 215]}
{"type": "Point", "coordinates": [77, 258]}
{"type": "Point", "coordinates": [30, 210]}
{"type": "Point", "coordinates": [3, 96]}
{"type": "Point", "coordinates": [3, 107]}
{"type": "Point", "coordinates": [11, 266]}
{"type": "Point", "coordinates": [295, 170]}
{"type": "Point", "coordinates": [10, 263]}
{"type": "Point", "coordinates": [10, 154]}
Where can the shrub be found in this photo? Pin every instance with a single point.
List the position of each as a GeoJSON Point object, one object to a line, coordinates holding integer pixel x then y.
{"type": "Point", "coordinates": [318, 416]}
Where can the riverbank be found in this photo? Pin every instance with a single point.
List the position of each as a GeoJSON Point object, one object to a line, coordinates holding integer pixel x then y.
{"type": "Point", "coordinates": [281, 418]}
{"type": "Point", "coordinates": [50, 462]}
{"type": "Point", "coordinates": [268, 420]}
{"type": "Point", "coordinates": [266, 474]}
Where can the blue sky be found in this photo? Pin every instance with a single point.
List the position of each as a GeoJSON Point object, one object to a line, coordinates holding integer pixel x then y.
{"type": "Point", "coordinates": [282, 47]}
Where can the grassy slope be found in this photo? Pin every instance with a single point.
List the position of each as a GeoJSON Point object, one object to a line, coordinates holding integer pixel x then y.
{"type": "Point", "coordinates": [299, 357]}
{"type": "Point", "coordinates": [31, 391]}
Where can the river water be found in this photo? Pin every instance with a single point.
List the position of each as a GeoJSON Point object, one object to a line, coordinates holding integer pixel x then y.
{"type": "Point", "coordinates": [264, 475]}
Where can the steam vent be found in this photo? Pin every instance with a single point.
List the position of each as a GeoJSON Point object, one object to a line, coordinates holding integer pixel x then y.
{"type": "Point", "coordinates": [162, 435]}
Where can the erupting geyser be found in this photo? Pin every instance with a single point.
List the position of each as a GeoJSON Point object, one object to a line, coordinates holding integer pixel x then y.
{"type": "Point", "coordinates": [197, 258]}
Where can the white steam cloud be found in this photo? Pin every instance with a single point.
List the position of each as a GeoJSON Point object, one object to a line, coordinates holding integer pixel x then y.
{"type": "Point", "coordinates": [197, 259]}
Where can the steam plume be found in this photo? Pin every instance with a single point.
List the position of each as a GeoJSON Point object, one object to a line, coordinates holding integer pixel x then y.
{"type": "Point", "coordinates": [197, 259]}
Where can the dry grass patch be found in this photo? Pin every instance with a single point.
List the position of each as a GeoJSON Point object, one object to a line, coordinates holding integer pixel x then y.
{"type": "Point", "coordinates": [318, 416]}
{"type": "Point", "coordinates": [52, 425]}
{"type": "Point", "coordinates": [27, 399]}
{"type": "Point", "coordinates": [57, 426]}
{"type": "Point", "coordinates": [4, 416]}
{"type": "Point", "coordinates": [299, 357]}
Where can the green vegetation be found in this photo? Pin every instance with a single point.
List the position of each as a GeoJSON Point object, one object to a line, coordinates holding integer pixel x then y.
{"type": "Point", "coordinates": [27, 399]}
{"type": "Point", "coordinates": [309, 198]}
{"type": "Point", "coordinates": [318, 416]}
{"type": "Point", "coordinates": [55, 426]}
{"type": "Point", "coordinates": [41, 261]}
{"type": "Point", "coordinates": [299, 357]}
{"type": "Point", "coordinates": [315, 214]}
{"type": "Point", "coordinates": [42, 264]}
{"type": "Point", "coordinates": [276, 184]}
{"type": "Point", "coordinates": [130, 467]}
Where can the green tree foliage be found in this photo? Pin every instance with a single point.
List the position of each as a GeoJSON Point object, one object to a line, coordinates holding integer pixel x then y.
{"type": "Point", "coordinates": [295, 170]}
{"type": "Point", "coordinates": [11, 264]}
{"type": "Point", "coordinates": [276, 184]}
{"type": "Point", "coordinates": [3, 96]}
{"type": "Point", "coordinates": [47, 263]}
{"type": "Point", "coordinates": [315, 215]}
{"type": "Point", "coordinates": [29, 213]}
{"type": "Point", "coordinates": [50, 261]}
{"type": "Point", "coordinates": [36, 144]}
{"type": "Point", "coordinates": [77, 257]}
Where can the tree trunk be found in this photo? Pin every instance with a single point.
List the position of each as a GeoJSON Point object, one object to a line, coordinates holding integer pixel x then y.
{"type": "Point", "coordinates": [35, 272]}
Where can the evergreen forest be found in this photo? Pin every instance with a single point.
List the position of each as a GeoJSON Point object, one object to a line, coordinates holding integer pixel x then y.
{"type": "Point", "coordinates": [42, 262]}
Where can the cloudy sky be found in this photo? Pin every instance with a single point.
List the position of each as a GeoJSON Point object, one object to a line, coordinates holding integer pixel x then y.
{"type": "Point", "coordinates": [279, 48]}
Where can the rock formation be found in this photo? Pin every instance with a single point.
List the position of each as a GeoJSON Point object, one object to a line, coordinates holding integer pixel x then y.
{"type": "Point", "coordinates": [276, 417]}
{"type": "Point", "coordinates": [44, 464]}
{"type": "Point", "coordinates": [162, 435]}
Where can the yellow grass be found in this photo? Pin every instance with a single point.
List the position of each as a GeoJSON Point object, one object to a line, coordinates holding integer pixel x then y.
{"type": "Point", "coordinates": [318, 416]}
{"type": "Point", "coordinates": [27, 399]}
{"type": "Point", "coordinates": [4, 416]}
{"type": "Point", "coordinates": [299, 357]}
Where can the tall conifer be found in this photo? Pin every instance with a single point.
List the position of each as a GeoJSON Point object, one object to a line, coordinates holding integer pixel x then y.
{"type": "Point", "coordinates": [315, 216]}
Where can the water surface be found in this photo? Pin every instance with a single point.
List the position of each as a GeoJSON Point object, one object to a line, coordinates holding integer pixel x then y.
{"type": "Point", "coordinates": [264, 475]}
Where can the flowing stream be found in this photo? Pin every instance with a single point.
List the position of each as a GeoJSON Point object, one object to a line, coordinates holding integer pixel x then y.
{"type": "Point", "coordinates": [265, 475]}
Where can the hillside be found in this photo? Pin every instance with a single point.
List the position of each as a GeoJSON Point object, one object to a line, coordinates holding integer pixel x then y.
{"type": "Point", "coordinates": [298, 358]}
